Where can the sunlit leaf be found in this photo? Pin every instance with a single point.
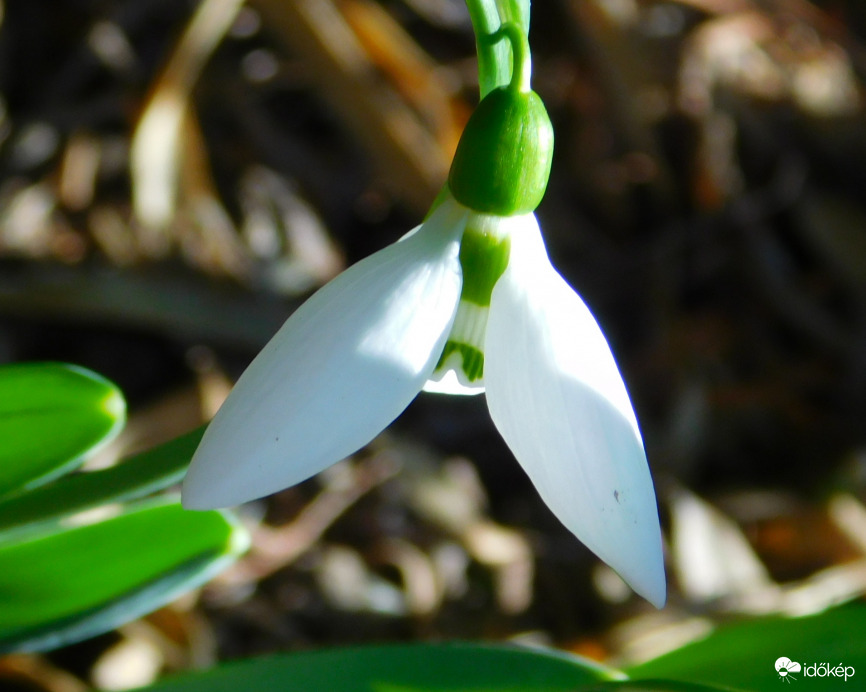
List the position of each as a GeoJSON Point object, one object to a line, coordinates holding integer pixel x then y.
{"type": "Point", "coordinates": [454, 667]}
{"type": "Point", "coordinates": [742, 656]}
{"type": "Point", "coordinates": [650, 686]}
{"type": "Point", "coordinates": [133, 478]}
{"type": "Point", "coordinates": [51, 417]}
{"type": "Point", "coordinates": [71, 584]}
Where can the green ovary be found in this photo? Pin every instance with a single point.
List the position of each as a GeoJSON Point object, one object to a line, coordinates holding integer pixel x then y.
{"type": "Point", "coordinates": [503, 159]}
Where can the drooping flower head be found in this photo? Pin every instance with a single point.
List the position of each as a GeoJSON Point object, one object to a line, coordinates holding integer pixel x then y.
{"type": "Point", "coordinates": [466, 303]}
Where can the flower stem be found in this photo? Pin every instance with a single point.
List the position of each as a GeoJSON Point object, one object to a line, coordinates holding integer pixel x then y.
{"type": "Point", "coordinates": [521, 69]}
{"type": "Point", "coordinates": [495, 61]}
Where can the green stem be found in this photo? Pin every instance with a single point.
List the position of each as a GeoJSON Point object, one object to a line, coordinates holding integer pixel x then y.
{"type": "Point", "coordinates": [492, 68]}
{"type": "Point", "coordinates": [521, 69]}
{"type": "Point", "coordinates": [495, 56]}
{"type": "Point", "coordinates": [516, 12]}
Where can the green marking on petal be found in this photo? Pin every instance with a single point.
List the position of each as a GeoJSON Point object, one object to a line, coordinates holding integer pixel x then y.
{"type": "Point", "coordinates": [483, 257]}
{"type": "Point", "coordinates": [473, 359]}
{"type": "Point", "coordinates": [484, 252]}
{"type": "Point", "coordinates": [464, 351]}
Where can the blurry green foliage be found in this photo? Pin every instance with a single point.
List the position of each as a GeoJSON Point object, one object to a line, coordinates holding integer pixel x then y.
{"type": "Point", "coordinates": [65, 575]}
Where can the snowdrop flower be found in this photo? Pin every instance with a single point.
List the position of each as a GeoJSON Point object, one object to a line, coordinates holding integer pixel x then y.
{"type": "Point", "coordinates": [467, 302]}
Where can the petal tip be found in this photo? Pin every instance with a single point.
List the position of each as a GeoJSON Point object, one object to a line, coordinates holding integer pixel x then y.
{"type": "Point", "coordinates": [196, 495]}
{"type": "Point", "coordinates": [654, 588]}
{"type": "Point", "coordinates": [208, 485]}
{"type": "Point", "coordinates": [642, 568]}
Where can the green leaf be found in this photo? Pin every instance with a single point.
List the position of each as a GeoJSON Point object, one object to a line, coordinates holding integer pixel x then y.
{"type": "Point", "coordinates": [51, 417]}
{"type": "Point", "coordinates": [650, 686]}
{"type": "Point", "coordinates": [455, 667]}
{"type": "Point", "coordinates": [742, 656]}
{"type": "Point", "coordinates": [71, 584]}
{"type": "Point", "coordinates": [134, 478]}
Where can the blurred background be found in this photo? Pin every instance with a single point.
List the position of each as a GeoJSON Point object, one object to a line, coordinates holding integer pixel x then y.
{"type": "Point", "coordinates": [176, 176]}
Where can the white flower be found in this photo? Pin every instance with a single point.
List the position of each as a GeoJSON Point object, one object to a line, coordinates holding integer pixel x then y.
{"type": "Point", "coordinates": [351, 359]}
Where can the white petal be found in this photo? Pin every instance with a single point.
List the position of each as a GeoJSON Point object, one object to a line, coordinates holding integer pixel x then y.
{"type": "Point", "coordinates": [342, 367]}
{"type": "Point", "coordinates": [558, 400]}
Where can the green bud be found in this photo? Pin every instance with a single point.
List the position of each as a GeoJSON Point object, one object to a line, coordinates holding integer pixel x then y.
{"type": "Point", "coordinates": [503, 159]}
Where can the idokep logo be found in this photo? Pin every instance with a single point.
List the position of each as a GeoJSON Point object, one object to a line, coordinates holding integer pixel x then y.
{"type": "Point", "coordinates": [786, 670]}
